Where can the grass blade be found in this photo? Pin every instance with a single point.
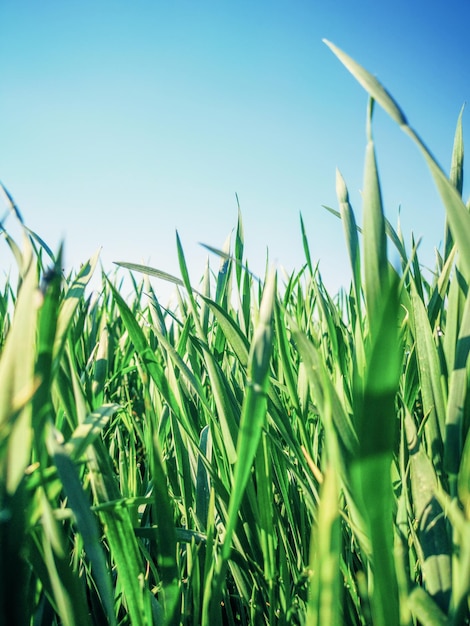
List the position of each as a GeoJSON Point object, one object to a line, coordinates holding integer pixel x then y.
{"type": "Point", "coordinates": [457, 213]}
{"type": "Point", "coordinates": [17, 376]}
{"type": "Point", "coordinates": [87, 526]}
{"type": "Point", "coordinates": [251, 424]}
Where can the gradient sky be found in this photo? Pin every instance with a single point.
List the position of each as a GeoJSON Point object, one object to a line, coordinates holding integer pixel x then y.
{"type": "Point", "coordinates": [123, 121]}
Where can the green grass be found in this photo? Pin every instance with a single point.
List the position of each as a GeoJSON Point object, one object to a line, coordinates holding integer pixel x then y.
{"type": "Point", "coordinates": [263, 453]}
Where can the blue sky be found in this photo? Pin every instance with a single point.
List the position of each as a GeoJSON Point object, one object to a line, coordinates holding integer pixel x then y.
{"type": "Point", "coordinates": [121, 122]}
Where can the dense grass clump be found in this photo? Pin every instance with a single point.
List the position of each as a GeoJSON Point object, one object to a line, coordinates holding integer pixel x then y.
{"type": "Point", "coordinates": [259, 454]}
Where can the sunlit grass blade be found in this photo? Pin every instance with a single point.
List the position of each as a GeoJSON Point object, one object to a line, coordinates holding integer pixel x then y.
{"type": "Point", "coordinates": [151, 271]}
{"type": "Point", "coordinates": [377, 427]}
{"type": "Point", "coordinates": [101, 363]}
{"type": "Point", "coordinates": [224, 406]}
{"type": "Point", "coordinates": [42, 408]}
{"type": "Point", "coordinates": [231, 330]}
{"type": "Point", "coordinates": [351, 236]}
{"type": "Point", "coordinates": [370, 84]}
{"type": "Point", "coordinates": [430, 379]}
{"type": "Point", "coordinates": [265, 521]}
{"type": "Point", "coordinates": [456, 402]}
{"type": "Point", "coordinates": [432, 533]}
{"type": "Point", "coordinates": [222, 288]}
{"type": "Point", "coordinates": [324, 605]}
{"type": "Point", "coordinates": [17, 376]}
{"type": "Point", "coordinates": [375, 242]}
{"type": "Point", "coordinates": [87, 525]}
{"type": "Point", "coordinates": [254, 405]}
{"type": "Point", "coordinates": [145, 352]}
{"type": "Point", "coordinates": [457, 214]}
{"type": "Point", "coordinates": [285, 357]}
{"type": "Point", "coordinates": [239, 247]}
{"type": "Point", "coordinates": [86, 432]}
{"type": "Point", "coordinates": [70, 302]}
{"type": "Point", "coordinates": [460, 591]}
{"type": "Point", "coordinates": [325, 601]}
{"type": "Point", "coordinates": [252, 420]}
{"type": "Point", "coordinates": [456, 174]}
{"type": "Point", "coordinates": [305, 245]}
{"type": "Point", "coordinates": [203, 485]}
{"type": "Point", "coordinates": [166, 538]}
{"type": "Point", "coordinates": [463, 483]}
{"type": "Point", "coordinates": [68, 590]}
{"type": "Point", "coordinates": [425, 609]}
{"type": "Point", "coordinates": [120, 536]}
{"type": "Point", "coordinates": [322, 386]}
{"type": "Point", "coordinates": [441, 291]}
{"type": "Point", "coordinates": [236, 457]}
{"type": "Point", "coordinates": [396, 237]}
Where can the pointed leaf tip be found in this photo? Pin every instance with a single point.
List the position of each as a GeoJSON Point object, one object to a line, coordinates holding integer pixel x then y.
{"type": "Point", "coordinates": [373, 87]}
{"type": "Point", "coordinates": [341, 189]}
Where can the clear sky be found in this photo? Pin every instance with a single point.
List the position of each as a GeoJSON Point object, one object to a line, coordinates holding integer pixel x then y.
{"type": "Point", "coordinates": [121, 122]}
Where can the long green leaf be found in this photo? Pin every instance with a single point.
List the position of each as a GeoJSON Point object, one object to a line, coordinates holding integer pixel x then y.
{"type": "Point", "coordinates": [457, 213]}
{"type": "Point", "coordinates": [119, 533]}
{"type": "Point", "coordinates": [17, 376]}
{"type": "Point", "coordinates": [87, 526]}
{"type": "Point", "coordinates": [375, 241]}
{"type": "Point", "coordinates": [252, 421]}
{"type": "Point", "coordinates": [71, 300]}
{"type": "Point", "coordinates": [456, 175]}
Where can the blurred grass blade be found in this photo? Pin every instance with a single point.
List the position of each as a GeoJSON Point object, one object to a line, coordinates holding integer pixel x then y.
{"type": "Point", "coordinates": [324, 606]}
{"type": "Point", "coordinates": [13, 207]}
{"type": "Point", "coordinates": [377, 428]}
{"type": "Point", "coordinates": [85, 433]}
{"type": "Point", "coordinates": [425, 609]}
{"type": "Point", "coordinates": [70, 302]}
{"type": "Point", "coordinates": [42, 408]}
{"type": "Point", "coordinates": [43, 246]}
{"type": "Point", "coordinates": [17, 376]}
{"type": "Point", "coordinates": [463, 483]}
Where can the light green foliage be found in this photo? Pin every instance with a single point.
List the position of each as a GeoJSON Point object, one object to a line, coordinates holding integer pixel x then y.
{"type": "Point", "coordinates": [263, 453]}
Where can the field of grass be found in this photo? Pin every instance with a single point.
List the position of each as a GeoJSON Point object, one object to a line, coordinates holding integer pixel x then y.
{"type": "Point", "coordinates": [263, 453]}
